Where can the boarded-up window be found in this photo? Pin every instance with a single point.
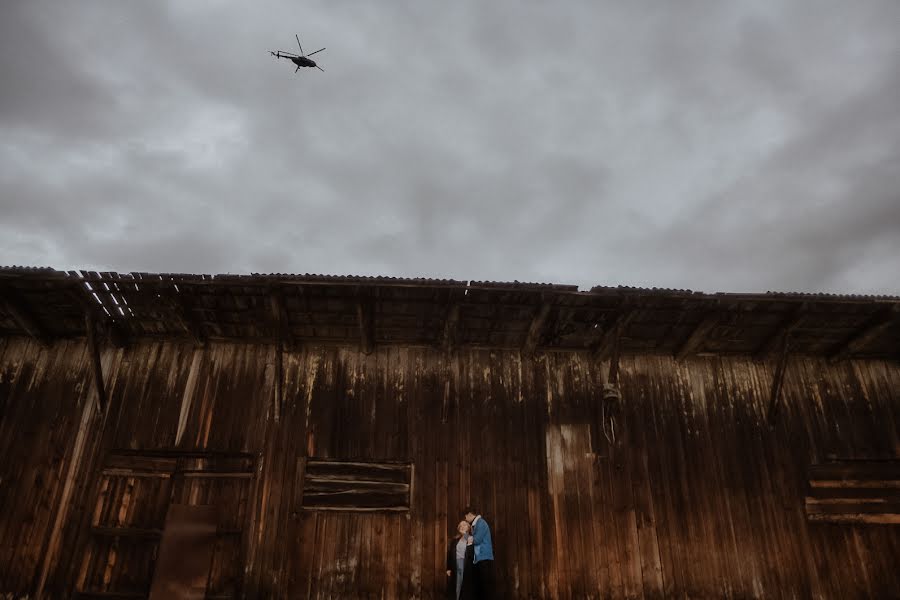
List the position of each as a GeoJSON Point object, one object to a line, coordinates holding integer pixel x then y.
{"type": "Point", "coordinates": [855, 492]}
{"type": "Point", "coordinates": [356, 486]}
{"type": "Point", "coordinates": [151, 506]}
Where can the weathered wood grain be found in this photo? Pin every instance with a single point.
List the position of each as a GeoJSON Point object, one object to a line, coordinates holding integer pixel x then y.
{"type": "Point", "coordinates": [698, 495]}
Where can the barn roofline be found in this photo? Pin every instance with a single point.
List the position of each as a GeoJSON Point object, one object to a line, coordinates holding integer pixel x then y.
{"type": "Point", "coordinates": [48, 304]}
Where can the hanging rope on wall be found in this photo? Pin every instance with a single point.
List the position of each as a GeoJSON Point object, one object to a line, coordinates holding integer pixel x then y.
{"type": "Point", "coordinates": [611, 396]}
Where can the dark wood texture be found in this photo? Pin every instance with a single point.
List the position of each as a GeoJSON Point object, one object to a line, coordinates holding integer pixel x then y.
{"type": "Point", "coordinates": [854, 492]}
{"type": "Point", "coordinates": [136, 491]}
{"type": "Point", "coordinates": [778, 379]}
{"type": "Point", "coordinates": [20, 314]}
{"type": "Point", "coordinates": [356, 486]}
{"type": "Point", "coordinates": [697, 336]}
{"type": "Point", "coordinates": [186, 547]}
{"type": "Point", "coordinates": [96, 366]}
{"type": "Point", "coordinates": [876, 326]}
{"type": "Point", "coordinates": [535, 329]}
{"type": "Point", "coordinates": [698, 495]}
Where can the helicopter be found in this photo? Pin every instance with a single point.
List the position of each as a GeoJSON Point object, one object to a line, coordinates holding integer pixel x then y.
{"type": "Point", "coordinates": [301, 60]}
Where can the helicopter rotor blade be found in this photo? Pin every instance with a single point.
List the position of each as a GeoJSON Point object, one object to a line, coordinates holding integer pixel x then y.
{"type": "Point", "coordinates": [320, 68]}
{"type": "Point", "coordinates": [316, 52]}
{"type": "Point", "coordinates": [299, 44]}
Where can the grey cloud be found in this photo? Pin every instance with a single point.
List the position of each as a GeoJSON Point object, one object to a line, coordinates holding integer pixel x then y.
{"type": "Point", "coordinates": [732, 146]}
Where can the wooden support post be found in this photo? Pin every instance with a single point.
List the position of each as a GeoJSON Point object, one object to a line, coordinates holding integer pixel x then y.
{"type": "Point", "coordinates": [17, 309]}
{"type": "Point", "coordinates": [695, 339]}
{"type": "Point", "coordinates": [785, 328]}
{"type": "Point", "coordinates": [282, 336]}
{"type": "Point", "coordinates": [280, 320]}
{"type": "Point", "coordinates": [94, 351]}
{"type": "Point", "coordinates": [602, 348]}
{"type": "Point", "coordinates": [534, 331]}
{"type": "Point", "coordinates": [86, 425]}
{"type": "Point", "coordinates": [279, 380]}
{"type": "Point", "coordinates": [872, 328]}
{"type": "Point", "coordinates": [187, 398]}
{"type": "Point", "coordinates": [451, 329]}
{"type": "Point", "coordinates": [189, 320]}
{"type": "Point", "coordinates": [778, 380]}
{"type": "Point", "coordinates": [365, 312]}
{"type": "Point", "coordinates": [613, 377]}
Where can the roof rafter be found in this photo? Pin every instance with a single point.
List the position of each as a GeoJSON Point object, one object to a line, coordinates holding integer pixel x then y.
{"type": "Point", "coordinates": [778, 380]}
{"type": "Point", "coordinates": [365, 314]}
{"type": "Point", "coordinates": [535, 329]}
{"type": "Point", "coordinates": [450, 337]}
{"type": "Point", "coordinates": [281, 321]}
{"type": "Point", "coordinates": [784, 330]}
{"type": "Point", "coordinates": [693, 341]}
{"type": "Point", "coordinates": [23, 317]}
{"type": "Point", "coordinates": [610, 337]}
{"type": "Point", "coordinates": [870, 330]}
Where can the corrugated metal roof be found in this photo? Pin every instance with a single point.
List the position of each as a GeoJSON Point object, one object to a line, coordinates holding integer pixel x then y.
{"type": "Point", "coordinates": [326, 308]}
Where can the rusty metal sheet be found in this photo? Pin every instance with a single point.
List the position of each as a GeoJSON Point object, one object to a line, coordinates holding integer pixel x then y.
{"type": "Point", "coordinates": [185, 553]}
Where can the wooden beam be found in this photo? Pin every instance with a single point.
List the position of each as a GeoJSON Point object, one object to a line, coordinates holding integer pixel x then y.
{"type": "Point", "coordinates": [534, 331]}
{"type": "Point", "coordinates": [279, 380]}
{"type": "Point", "coordinates": [785, 329]}
{"type": "Point", "coordinates": [613, 376]}
{"type": "Point", "coordinates": [562, 326]}
{"type": "Point", "coordinates": [778, 380]}
{"type": "Point", "coordinates": [692, 343]}
{"type": "Point", "coordinates": [365, 313]}
{"type": "Point", "coordinates": [13, 304]}
{"type": "Point", "coordinates": [280, 318]}
{"type": "Point", "coordinates": [182, 311]}
{"type": "Point", "coordinates": [450, 336]}
{"type": "Point", "coordinates": [48, 558]}
{"type": "Point", "coordinates": [282, 335]}
{"type": "Point", "coordinates": [872, 329]}
{"type": "Point", "coordinates": [94, 350]}
{"type": "Point", "coordinates": [118, 333]}
{"type": "Point", "coordinates": [610, 337]}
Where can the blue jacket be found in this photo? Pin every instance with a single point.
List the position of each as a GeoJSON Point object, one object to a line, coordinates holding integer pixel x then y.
{"type": "Point", "coordinates": [484, 548]}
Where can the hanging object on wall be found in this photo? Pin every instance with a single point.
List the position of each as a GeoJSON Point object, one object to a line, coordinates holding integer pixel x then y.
{"type": "Point", "coordinates": [609, 409]}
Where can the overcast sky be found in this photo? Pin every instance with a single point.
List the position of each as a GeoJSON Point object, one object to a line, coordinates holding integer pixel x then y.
{"type": "Point", "coordinates": [717, 146]}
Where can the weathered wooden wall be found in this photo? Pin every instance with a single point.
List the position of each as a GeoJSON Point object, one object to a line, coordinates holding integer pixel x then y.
{"type": "Point", "coordinates": [697, 495]}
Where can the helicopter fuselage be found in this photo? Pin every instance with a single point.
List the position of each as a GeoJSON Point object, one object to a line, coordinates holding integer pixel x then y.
{"type": "Point", "coordinates": [302, 61]}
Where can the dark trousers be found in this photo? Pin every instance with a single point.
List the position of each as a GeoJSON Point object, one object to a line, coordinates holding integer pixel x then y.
{"type": "Point", "coordinates": [484, 580]}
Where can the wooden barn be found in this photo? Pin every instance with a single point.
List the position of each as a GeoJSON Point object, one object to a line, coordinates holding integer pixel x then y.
{"type": "Point", "coordinates": [285, 436]}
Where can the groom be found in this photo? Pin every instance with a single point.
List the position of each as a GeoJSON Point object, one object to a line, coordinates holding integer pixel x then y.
{"type": "Point", "coordinates": [484, 554]}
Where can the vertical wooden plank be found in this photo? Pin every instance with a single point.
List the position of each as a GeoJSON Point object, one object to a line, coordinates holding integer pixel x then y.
{"type": "Point", "coordinates": [645, 513]}
{"type": "Point", "coordinates": [89, 420]}
{"type": "Point", "coordinates": [185, 553]}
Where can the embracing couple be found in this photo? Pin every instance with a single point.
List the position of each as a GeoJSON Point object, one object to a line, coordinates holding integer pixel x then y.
{"type": "Point", "coordinates": [470, 559]}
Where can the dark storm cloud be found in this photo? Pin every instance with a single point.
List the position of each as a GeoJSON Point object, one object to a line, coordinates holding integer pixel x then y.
{"type": "Point", "coordinates": [716, 146]}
